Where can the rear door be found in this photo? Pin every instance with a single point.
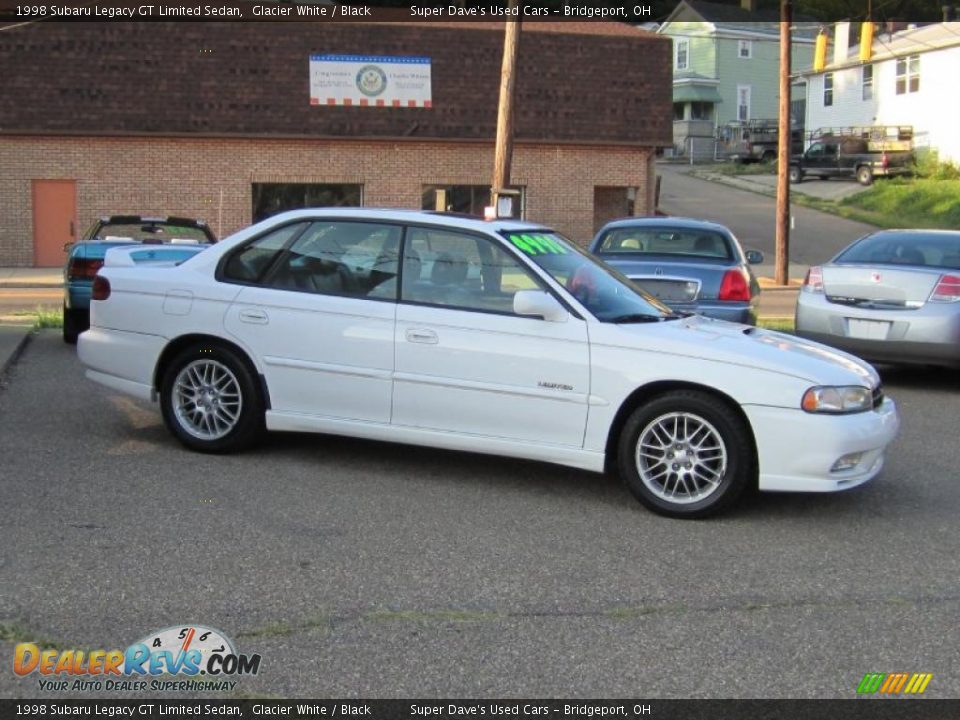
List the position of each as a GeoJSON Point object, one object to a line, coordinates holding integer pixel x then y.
{"type": "Point", "coordinates": [319, 313]}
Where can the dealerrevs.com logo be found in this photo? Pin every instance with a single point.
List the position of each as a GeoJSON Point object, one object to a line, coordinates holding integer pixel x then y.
{"type": "Point", "coordinates": [179, 658]}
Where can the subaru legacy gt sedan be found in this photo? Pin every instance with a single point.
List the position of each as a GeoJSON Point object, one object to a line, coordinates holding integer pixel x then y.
{"type": "Point", "coordinates": [497, 337]}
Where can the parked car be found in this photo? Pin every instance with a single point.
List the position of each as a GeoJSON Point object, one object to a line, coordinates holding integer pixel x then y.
{"type": "Point", "coordinates": [514, 342]}
{"type": "Point", "coordinates": [861, 153]}
{"type": "Point", "coordinates": [689, 265]}
{"type": "Point", "coordinates": [84, 258]}
{"type": "Point", "coordinates": [891, 296]}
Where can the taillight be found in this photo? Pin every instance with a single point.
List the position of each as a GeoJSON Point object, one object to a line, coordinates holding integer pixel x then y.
{"type": "Point", "coordinates": [101, 288]}
{"type": "Point", "coordinates": [734, 286]}
{"type": "Point", "coordinates": [83, 268]}
{"type": "Point", "coordinates": [813, 281]}
{"type": "Point", "coordinates": [947, 290]}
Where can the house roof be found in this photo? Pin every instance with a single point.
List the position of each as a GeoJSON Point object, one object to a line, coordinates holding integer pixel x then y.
{"type": "Point", "coordinates": [581, 83]}
{"type": "Point", "coordinates": [734, 18]}
{"type": "Point", "coordinates": [926, 38]}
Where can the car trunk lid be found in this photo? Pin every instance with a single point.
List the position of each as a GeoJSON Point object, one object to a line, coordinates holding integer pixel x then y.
{"type": "Point", "coordinates": [879, 287]}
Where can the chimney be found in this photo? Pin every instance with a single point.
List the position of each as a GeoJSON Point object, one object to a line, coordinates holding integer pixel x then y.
{"type": "Point", "coordinates": [841, 42]}
{"type": "Point", "coordinates": [749, 5]}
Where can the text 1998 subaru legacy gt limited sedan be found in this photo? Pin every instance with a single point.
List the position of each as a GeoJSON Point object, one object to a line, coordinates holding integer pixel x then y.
{"type": "Point", "coordinates": [495, 337]}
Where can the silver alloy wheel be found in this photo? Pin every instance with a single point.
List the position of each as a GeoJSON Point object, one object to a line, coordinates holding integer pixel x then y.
{"type": "Point", "coordinates": [681, 458]}
{"type": "Point", "coordinates": [206, 399]}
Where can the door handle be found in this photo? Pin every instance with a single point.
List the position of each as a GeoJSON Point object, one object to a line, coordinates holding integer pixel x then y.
{"type": "Point", "coordinates": [420, 335]}
{"type": "Point", "coordinates": [257, 317]}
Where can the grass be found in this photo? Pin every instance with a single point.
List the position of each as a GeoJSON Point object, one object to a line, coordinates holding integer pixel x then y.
{"type": "Point", "coordinates": [780, 324]}
{"type": "Point", "coordinates": [47, 318]}
{"type": "Point", "coordinates": [897, 203]}
{"type": "Point", "coordinates": [39, 319]}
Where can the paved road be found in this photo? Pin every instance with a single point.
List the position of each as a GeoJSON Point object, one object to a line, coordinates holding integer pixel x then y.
{"type": "Point", "coordinates": [367, 569]}
{"type": "Point", "coordinates": [815, 238]}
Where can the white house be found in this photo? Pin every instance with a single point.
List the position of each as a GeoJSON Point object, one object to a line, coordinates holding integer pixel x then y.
{"type": "Point", "coordinates": [910, 78]}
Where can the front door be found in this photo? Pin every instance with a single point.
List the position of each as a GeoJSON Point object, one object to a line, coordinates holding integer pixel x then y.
{"type": "Point", "coordinates": [466, 363]}
{"type": "Point", "coordinates": [54, 220]}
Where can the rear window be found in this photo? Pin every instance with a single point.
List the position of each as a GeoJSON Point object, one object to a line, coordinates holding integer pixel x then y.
{"type": "Point", "coordinates": [935, 250]}
{"type": "Point", "coordinates": [706, 244]}
{"type": "Point", "coordinates": [159, 233]}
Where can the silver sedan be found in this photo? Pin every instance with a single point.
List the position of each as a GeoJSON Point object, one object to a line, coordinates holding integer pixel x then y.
{"type": "Point", "coordinates": [892, 296]}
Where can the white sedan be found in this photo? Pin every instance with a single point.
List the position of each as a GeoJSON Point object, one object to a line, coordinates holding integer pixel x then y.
{"type": "Point", "coordinates": [495, 337]}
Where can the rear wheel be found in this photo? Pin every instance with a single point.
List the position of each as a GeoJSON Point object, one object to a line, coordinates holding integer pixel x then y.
{"type": "Point", "coordinates": [796, 174]}
{"type": "Point", "coordinates": [686, 454]}
{"type": "Point", "coordinates": [74, 323]}
{"type": "Point", "coordinates": [865, 175]}
{"type": "Point", "coordinates": [210, 400]}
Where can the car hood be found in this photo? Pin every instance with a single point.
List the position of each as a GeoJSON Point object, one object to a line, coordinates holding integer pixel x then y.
{"type": "Point", "coordinates": [750, 347]}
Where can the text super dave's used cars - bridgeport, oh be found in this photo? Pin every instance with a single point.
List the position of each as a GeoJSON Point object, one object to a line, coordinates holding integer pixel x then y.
{"type": "Point", "coordinates": [496, 337]}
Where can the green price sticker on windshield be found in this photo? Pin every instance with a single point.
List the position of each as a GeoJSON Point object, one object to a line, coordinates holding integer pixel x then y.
{"type": "Point", "coordinates": [537, 244]}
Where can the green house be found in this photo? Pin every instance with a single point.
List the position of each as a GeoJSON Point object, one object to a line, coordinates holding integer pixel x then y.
{"type": "Point", "coordinates": [726, 61]}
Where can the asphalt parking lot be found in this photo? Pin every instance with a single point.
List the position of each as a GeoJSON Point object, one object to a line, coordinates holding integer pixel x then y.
{"type": "Point", "coordinates": [361, 569]}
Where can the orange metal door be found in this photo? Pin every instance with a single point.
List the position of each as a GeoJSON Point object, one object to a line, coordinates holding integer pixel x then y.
{"type": "Point", "coordinates": [54, 220]}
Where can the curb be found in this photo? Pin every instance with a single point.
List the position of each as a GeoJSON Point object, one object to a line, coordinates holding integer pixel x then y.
{"type": "Point", "coordinates": [27, 285]}
{"type": "Point", "coordinates": [12, 358]}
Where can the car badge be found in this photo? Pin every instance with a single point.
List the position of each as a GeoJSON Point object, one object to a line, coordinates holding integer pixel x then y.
{"type": "Point", "coordinates": [875, 276]}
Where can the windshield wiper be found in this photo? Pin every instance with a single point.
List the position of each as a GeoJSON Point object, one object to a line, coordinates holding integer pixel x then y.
{"type": "Point", "coordinates": [635, 318]}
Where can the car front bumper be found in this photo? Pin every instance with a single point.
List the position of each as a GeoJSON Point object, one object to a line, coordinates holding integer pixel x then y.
{"type": "Point", "coordinates": [927, 335]}
{"type": "Point", "coordinates": [797, 450]}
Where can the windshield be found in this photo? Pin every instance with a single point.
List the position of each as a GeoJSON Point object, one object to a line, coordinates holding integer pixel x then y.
{"type": "Point", "coordinates": [608, 295]}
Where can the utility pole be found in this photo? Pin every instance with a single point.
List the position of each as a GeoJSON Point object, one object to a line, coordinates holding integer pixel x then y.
{"type": "Point", "coordinates": [782, 270]}
{"type": "Point", "coordinates": [503, 152]}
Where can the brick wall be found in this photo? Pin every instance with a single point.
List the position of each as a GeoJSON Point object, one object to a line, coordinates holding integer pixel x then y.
{"type": "Point", "coordinates": [211, 178]}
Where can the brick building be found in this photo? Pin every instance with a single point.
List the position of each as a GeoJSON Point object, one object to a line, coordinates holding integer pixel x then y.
{"type": "Point", "coordinates": [213, 120]}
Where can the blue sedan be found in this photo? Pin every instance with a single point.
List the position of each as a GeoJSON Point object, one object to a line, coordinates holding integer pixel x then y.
{"type": "Point", "coordinates": [689, 265]}
{"type": "Point", "coordinates": [85, 258]}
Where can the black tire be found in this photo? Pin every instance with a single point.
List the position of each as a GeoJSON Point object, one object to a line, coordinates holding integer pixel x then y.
{"type": "Point", "coordinates": [74, 323]}
{"type": "Point", "coordinates": [865, 175]}
{"type": "Point", "coordinates": [717, 423]}
{"type": "Point", "coordinates": [185, 420]}
{"type": "Point", "coordinates": [796, 174]}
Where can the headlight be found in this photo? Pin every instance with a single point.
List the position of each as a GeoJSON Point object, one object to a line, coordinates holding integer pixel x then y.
{"type": "Point", "coordinates": [843, 399]}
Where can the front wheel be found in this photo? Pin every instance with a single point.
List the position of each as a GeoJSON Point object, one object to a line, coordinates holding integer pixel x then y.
{"type": "Point", "coordinates": [865, 175]}
{"type": "Point", "coordinates": [686, 454]}
{"type": "Point", "coordinates": [210, 400]}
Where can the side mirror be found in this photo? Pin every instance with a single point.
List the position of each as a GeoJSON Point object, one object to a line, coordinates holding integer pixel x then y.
{"type": "Point", "coordinates": [537, 303]}
{"type": "Point", "coordinates": [754, 257]}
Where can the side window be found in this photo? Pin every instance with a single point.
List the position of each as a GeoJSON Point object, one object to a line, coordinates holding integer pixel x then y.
{"type": "Point", "coordinates": [250, 262]}
{"type": "Point", "coordinates": [466, 272]}
{"type": "Point", "coordinates": [353, 259]}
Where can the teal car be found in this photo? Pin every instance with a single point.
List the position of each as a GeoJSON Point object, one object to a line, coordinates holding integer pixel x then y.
{"type": "Point", "coordinates": [85, 257]}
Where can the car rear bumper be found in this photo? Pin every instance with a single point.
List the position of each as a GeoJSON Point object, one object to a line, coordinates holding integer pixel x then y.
{"type": "Point", "coordinates": [121, 360]}
{"type": "Point", "coordinates": [789, 466]}
{"type": "Point", "coordinates": [77, 295]}
{"type": "Point", "coordinates": [927, 335]}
